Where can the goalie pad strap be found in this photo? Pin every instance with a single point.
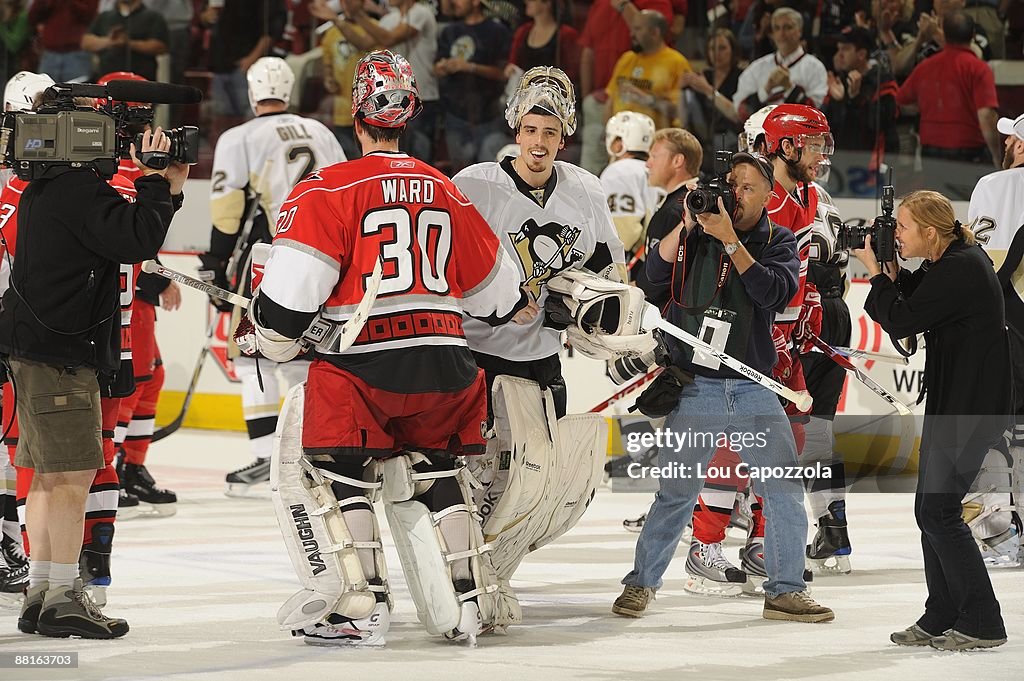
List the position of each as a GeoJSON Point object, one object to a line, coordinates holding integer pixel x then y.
{"type": "Point", "coordinates": [362, 484]}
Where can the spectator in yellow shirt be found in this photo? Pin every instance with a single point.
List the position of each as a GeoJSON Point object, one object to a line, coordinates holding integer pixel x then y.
{"type": "Point", "coordinates": [648, 79]}
{"type": "Point", "coordinates": [340, 55]}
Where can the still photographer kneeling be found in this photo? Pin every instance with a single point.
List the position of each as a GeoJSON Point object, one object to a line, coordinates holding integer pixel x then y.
{"type": "Point", "coordinates": [955, 299]}
{"type": "Point", "coordinates": [60, 334]}
{"type": "Point", "coordinates": [727, 282]}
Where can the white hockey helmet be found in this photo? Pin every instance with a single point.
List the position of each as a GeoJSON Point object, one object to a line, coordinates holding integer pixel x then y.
{"type": "Point", "coordinates": [23, 89]}
{"type": "Point", "coordinates": [636, 130]}
{"type": "Point", "coordinates": [269, 78]}
{"type": "Point", "coordinates": [753, 128]}
{"type": "Point", "coordinates": [546, 88]}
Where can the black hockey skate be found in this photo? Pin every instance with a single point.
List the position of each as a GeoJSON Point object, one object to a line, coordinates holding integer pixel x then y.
{"type": "Point", "coordinates": [14, 554]}
{"type": "Point", "coordinates": [829, 551]}
{"type": "Point", "coordinates": [94, 563]}
{"type": "Point", "coordinates": [139, 482]}
{"type": "Point", "coordinates": [13, 572]}
{"type": "Point", "coordinates": [249, 479]}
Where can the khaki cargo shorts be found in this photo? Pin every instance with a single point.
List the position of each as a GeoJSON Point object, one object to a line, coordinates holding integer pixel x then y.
{"type": "Point", "coordinates": [59, 418]}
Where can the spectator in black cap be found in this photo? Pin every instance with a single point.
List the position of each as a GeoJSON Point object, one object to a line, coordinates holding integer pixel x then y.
{"type": "Point", "coordinates": [861, 102]}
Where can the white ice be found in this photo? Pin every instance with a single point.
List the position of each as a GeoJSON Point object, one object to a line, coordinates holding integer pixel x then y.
{"type": "Point", "coordinates": [201, 589]}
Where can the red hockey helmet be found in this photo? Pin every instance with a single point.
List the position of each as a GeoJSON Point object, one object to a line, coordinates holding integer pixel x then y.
{"type": "Point", "coordinates": [384, 90]}
{"type": "Point", "coordinates": [796, 122]}
{"type": "Point", "coordinates": [121, 75]}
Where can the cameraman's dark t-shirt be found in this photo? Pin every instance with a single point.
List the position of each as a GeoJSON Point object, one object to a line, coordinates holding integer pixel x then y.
{"type": "Point", "coordinates": [142, 24]}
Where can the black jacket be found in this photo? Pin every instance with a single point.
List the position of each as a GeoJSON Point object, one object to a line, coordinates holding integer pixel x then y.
{"type": "Point", "coordinates": [958, 305]}
{"type": "Point", "coordinates": [74, 231]}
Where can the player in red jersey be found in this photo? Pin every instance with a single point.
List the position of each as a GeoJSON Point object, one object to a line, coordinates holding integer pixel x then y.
{"type": "Point", "coordinates": [406, 395]}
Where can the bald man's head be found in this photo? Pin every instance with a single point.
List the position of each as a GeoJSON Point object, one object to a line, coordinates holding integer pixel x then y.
{"type": "Point", "coordinates": [648, 31]}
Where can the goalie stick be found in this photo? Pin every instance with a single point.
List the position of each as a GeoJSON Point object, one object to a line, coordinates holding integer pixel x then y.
{"type": "Point", "coordinates": [652, 319]}
{"type": "Point", "coordinates": [230, 271]}
{"type": "Point", "coordinates": [337, 336]}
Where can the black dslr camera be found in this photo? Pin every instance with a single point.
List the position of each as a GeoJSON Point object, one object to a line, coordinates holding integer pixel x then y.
{"type": "Point", "coordinates": [704, 198]}
{"type": "Point", "coordinates": [882, 231]}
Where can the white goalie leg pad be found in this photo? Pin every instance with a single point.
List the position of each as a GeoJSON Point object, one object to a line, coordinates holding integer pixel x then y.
{"type": "Point", "coordinates": [424, 553]}
{"type": "Point", "coordinates": [605, 317]}
{"type": "Point", "coordinates": [988, 508]}
{"type": "Point", "coordinates": [319, 543]}
{"type": "Point", "coordinates": [543, 473]}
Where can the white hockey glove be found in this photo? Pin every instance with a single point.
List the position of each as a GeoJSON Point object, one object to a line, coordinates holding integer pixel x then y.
{"type": "Point", "coordinates": [252, 339]}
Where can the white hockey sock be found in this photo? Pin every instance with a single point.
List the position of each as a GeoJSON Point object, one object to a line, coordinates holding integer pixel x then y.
{"type": "Point", "coordinates": [38, 572]}
{"type": "Point", "coordinates": [360, 525]}
{"type": "Point", "coordinates": [455, 530]}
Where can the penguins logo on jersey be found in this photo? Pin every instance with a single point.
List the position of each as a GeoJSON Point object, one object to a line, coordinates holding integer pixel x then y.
{"type": "Point", "coordinates": [545, 250]}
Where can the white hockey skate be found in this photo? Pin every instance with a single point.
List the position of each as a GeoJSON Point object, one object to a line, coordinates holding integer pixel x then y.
{"type": "Point", "coordinates": [470, 625]}
{"type": "Point", "coordinates": [1004, 549]}
{"type": "Point", "coordinates": [341, 631]}
{"type": "Point", "coordinates": [711, 573]}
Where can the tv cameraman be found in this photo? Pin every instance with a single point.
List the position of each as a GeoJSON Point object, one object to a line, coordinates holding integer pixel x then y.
{"type": "Point", "coordinates": [955, 299]}
{"type": "Point", "coordinates": [61, 337]}
{"type": "Point", "coordinates": [729, 278]}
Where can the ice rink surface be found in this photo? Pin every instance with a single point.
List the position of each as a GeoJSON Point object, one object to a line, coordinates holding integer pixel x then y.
{"type": "Point", "coordinates": [200, 591]}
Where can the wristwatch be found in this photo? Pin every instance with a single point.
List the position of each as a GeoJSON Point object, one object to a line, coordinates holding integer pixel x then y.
{"type": "Point", "coordinates": [732, 248]}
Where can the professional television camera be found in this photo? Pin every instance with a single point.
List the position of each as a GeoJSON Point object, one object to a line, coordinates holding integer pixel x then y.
{"type": "Point", "coordinates": [882, 231]}
{"type": "Point", "coordinates": [64, 133]}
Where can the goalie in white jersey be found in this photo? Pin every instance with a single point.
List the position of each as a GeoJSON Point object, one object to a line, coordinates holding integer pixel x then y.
{"type": "Point", "coordinates": [255, 166]}
{"type": "Point", "coordinates": [994, 507]}
{"type": "Point", "coordinates": [632, 200]}
{"type": "Point", "coordinates": [552, 217]}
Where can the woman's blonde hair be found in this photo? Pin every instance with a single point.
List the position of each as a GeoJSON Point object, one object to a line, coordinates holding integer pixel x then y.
{"type": "Point", "coordinates": [932, 209]}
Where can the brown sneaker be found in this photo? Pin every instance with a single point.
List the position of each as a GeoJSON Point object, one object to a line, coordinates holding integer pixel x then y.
{"type": "Point", "coordinates": [795, 606]}
{"type": "Point", "coordinates": [633, 601]}
{"type": "Point", "coordinates": [911, 636]}
{"type": "Point", "coordinates": [71, 612]}
{"type": "Point", "coordinates": [954, 640]}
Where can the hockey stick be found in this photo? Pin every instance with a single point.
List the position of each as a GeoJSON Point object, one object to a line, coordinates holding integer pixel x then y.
{"type": "Point", "coordinates": [836, 356]}
{"type": "Point", "coordinates": [867, 354]}
{"type": "Point", "coordinates": [250, 218]}
{"type": "Point", "coordinates": [336, 337]}
{"type": "Point", "coordinates": [652, 319]}
{"type": "Point", "coordinates": [628, 389]}
{"type": "Point", "coordinates": [161, 433]}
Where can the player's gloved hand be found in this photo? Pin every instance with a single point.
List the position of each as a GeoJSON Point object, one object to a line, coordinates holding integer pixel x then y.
{"type": "Point", "coordinates": [213, 270]}
{"type": "Point", "coordinates": [784, 364]}
{"type": "Point", "coordinates": [809, 321]}
{"type": "Point", "coordinates": [245, 336]}
{"type": "Point", "coordinates": [253, 338]}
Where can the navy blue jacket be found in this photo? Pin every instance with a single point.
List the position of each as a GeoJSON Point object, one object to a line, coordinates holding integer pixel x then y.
{"type": "Point", "coordinates": [770, 283]}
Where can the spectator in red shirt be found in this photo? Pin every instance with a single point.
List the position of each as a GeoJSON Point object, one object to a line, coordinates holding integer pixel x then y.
{"type": "Point", "coordinates": [605, 38]}
{"type": "Point", "coordinates": [955, 93]}
{"type": "Point", "coordinates": [61, 25]}
{"type": "Point", "coordinates": [545, 40]}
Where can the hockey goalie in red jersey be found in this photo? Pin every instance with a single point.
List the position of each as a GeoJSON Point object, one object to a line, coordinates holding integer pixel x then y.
{"type": "Point", "coordinates": [406, 395]}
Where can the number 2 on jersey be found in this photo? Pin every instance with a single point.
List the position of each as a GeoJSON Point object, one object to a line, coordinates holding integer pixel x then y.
{"type": "Point", "coordinates": [433, 237]}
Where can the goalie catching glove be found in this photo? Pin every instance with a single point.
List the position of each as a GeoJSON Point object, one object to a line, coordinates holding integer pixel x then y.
{"type": "Point", "coordinates": [603, 318]}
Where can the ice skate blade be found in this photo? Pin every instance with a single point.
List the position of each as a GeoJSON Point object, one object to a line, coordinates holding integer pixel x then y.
{"type": "Point", "coordinates": [702, 586]}
{"type": "Point", "coordinates": [98, 593]}
{"type": "Point", "coordinates": [235, 490]}
{"type": "Point", "coordinates": [833, 565]}
{"type": "Point", "coordinates": [342, 642]}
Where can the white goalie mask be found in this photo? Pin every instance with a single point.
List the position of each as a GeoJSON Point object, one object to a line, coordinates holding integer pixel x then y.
{"type": "Point", "coordinates": [546, 88]}
{"type": "Point", "coordinates": [607, 316]}
{"type": "Point", "coordinates": [269, 78]}
{"type": "Point", "coordinates": [636, 130]}
{"type": "Point", "coordinates": [23, 89]}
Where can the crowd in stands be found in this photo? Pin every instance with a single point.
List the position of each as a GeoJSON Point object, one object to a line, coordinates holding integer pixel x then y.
{"type": "Point", "coordinates": [892, 76]}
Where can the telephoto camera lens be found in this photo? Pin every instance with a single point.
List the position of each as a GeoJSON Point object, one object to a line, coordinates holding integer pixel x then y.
{"type": "Point", "coordinates": [625, 368]}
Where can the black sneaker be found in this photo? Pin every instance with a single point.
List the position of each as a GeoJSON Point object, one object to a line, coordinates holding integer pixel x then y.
{"type": "Point", "coordinates": [71, 612]}
{"type": "Point", "coordinates": [139, 482]}
{"type": "Point", "coordinates": [248, 478]}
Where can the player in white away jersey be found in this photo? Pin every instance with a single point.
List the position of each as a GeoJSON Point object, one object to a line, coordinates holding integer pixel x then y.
{"type": "Point", "coordinates": [258, 163]}
{"type": "Point", "coordinates": [994, 507]}
{"type": "Point", "coordinates": [628, 137]}
{"type": "Point", "coordinates": [550, 216]}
